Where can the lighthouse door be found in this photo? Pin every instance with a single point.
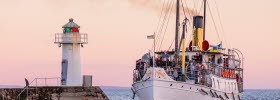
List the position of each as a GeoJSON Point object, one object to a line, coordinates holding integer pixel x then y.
{"type": "Point", "coordinates": [64, 71]}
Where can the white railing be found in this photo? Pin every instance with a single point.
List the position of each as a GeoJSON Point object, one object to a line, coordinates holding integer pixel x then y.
{"type": "Point", "coordinates": [80, 38]}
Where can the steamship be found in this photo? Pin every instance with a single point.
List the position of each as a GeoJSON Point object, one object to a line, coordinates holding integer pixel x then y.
{"type": "Point", "coordinates": [198, 72]}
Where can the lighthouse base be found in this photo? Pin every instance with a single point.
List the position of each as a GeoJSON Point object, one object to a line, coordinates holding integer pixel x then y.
{"type": "Point", "coordinates": [54, 93]}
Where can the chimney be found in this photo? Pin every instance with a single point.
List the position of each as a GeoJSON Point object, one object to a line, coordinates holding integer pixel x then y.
{"type": "Point", "coordinates": [197, 33]}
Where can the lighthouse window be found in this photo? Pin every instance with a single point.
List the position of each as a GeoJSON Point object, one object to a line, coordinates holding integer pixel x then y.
{"type": "Point", "coordinates": [75, 30]}
{"type": "Point", "coordinates": [67, 29]}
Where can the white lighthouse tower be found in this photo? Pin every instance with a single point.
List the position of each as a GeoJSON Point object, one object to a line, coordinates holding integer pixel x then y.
{"type": "Point", "coordinates": [71, 40]}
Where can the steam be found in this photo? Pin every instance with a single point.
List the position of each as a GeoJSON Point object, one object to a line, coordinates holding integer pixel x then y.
{"type": "Point", "coordinates": [157, 5]}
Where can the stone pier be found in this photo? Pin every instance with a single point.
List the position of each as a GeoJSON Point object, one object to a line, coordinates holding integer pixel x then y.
{"type": "Point", "coordinates": [54, 93]}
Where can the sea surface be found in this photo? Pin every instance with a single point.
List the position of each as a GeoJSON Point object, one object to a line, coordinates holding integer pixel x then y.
{"type": "Point", "coordinates": [124, 93]}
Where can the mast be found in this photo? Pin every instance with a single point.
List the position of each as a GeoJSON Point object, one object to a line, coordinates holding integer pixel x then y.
{"type": "Point", "coordinates": [204, 28]}
{"type": "Point", "coordinates": [177, 30]}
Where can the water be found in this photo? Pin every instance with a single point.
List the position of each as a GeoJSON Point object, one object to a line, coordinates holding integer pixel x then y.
{"type": "Point", "coordinates": [124, 93]}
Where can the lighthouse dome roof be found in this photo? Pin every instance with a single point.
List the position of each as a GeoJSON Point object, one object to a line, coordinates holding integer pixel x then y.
{"type": "Point", "coordinates": [71, 24]}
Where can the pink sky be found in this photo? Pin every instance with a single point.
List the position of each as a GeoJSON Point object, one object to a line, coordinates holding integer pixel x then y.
{"type": "Point", "coordinates": [117, 32]}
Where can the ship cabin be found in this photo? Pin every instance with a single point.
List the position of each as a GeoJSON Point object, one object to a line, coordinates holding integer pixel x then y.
{"type": "Point", "coordinates": [215, 69]}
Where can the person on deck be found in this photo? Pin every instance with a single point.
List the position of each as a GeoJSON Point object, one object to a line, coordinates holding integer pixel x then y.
{"type": "Point", "coordinates": [158, 62]}
{"type": "Point", "coordinates": [175, 75]}
{"type": "Point", "coordinates": [203, 72]}
{"type": "Point", "coordinates": [165, 59]}
{"type": "Point", "coordinates": [138, 63]}
{"type": "Point", "coordinates": [199, 58]}
{"type": "Point", "coordinates": [193, 71]}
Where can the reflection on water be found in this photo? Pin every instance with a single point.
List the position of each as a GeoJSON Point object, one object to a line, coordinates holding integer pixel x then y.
{"type": "Point", "coordinates": [124, 93]}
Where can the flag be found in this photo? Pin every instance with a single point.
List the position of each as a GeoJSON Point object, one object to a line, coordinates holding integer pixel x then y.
{"type": "Point", "coordinates": [26, 82]}
{"type": "Point", "coordinates": [151, 37]}
{"type": "Point", "coordinates": [216, 48]}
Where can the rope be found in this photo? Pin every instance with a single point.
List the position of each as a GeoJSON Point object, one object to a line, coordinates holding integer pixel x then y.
{"type": "Point", "coordinates": [213, 22]}
{"type": "Point", "coordinates": [159, 31]}
{"type": "Point", "coordinates": [221, 24]}
{"type": "Point", "coordinates": [160, 15]}
{"type": "Point", "coordinates": [165, 29]}
{"type": "Point", "coordinates": [164, 21]}
{"type": "Point", "coordinates": [183, 8]}
{"type": "Point", "coordinates": [163, 5]}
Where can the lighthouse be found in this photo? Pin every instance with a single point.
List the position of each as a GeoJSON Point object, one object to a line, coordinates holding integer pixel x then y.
{"type": "Point", "coordinates": [71, 40]}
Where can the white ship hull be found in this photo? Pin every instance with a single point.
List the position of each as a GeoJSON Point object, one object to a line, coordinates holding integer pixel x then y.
{"type": "Point", "coordinates": [157, 88]}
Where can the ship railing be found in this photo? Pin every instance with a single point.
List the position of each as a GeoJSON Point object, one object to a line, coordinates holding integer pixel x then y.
{"type": "Point", "coordinates": [36, 85]}
{"type": "Point", "coordinates": [136, 75]}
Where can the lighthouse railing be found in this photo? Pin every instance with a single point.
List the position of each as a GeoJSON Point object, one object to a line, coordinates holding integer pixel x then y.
{"type": "Point", "coordinates": [79, 38]}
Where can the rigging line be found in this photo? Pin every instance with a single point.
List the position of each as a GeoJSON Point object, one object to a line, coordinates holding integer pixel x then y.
{"type": "Point", "coordinates": [221, 24]}
{"type": "Point", "coordinates": [171, 45]}
{"type": "Point", "coordinates": [189, 37]}
{"type": "Point", "coordinates": [163, 24]}
{"type": "Point", "coordinates": [195, 5]}
{"type": "Point", "coordinates": [183, 8]}
{"type": "Point", "coordinates": [188, 22]}
{"type": "Point", "coordinates": [163, 19]}
{"type": "Point", "coordinates": [189, 26]}
{"type": "Point", "coordinates": [159, 21]}
{"type": "Point", "coordinates": [201, 7]}
{"type": "Point", "coordinates": [159, 31]}
{"type": "Point", "coordinates": [213, 21]}
{"type": "Point", "coordinates": [165, 28]}
{"type": "Point", "coordinates": [190, 15]}
{"type": "Point", "coordinates": [160, 15]}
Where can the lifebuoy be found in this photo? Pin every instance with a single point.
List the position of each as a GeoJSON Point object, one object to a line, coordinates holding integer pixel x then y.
{"type": "Point", "coordinates": [202, 66]}
{"type": "Point", "coordinates": [226, 73]}
{"type": "Point", "coordinates": [223, 72]}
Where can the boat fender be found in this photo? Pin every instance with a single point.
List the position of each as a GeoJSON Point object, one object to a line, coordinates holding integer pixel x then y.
{"type": "Point", "coordinates": [226, 96]}
{"type": "Point", "coordinates": [233, 96]}
{"type": "Point", "coordinates": [204, 91]}
{"type": "Point", "coordinates": [221, 97]}
{"type": "Point", "coordinates": [216, 95]}
{"type": "Point", "coordinates": [212, 94]}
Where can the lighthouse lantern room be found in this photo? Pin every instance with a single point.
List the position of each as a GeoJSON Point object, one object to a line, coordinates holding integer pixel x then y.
{"type": "Point", "coordinates": [70, 41]}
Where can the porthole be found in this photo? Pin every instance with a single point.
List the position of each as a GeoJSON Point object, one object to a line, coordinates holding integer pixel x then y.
{"type": "Point", "coordinates": [182, 86]}
{"type": "Point", "coordinates": [170, 84]}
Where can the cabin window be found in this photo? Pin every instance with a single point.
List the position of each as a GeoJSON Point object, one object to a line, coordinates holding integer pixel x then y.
{"type": "Point", "coordinates": [212, 59]}
{"type": "Point", "coordinates": [220, 60]}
